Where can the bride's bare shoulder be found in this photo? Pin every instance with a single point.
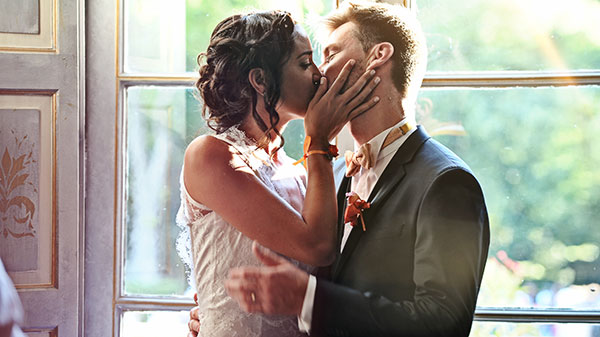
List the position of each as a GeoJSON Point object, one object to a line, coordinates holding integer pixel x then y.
{"type": "Point", "coordinates": [206, 150]}
{"type": "Point", "coordinates": [208, 156]}
{"type": "Point", "coordinates": [205, 161]}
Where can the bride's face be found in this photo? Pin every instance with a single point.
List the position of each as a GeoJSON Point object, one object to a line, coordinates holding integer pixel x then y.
{"type": "Point", "coordinates": [300, 77]}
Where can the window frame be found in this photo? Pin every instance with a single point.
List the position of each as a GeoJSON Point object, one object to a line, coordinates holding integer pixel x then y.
{"type": "Point", "coordinates": [465, 80]}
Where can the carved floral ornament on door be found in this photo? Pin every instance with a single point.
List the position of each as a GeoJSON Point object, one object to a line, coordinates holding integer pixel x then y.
{"type": "Point", "coordinates": [16, 207]}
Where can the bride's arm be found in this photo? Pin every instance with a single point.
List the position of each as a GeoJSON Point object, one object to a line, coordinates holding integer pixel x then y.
{"type": "Point", "coordinates": [217, 178]}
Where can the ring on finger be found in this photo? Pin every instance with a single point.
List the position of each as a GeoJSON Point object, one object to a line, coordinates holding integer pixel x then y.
{"type": "Point", "coordinates": [253, 297]}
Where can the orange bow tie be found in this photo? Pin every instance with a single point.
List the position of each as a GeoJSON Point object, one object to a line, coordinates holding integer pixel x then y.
{"type": "Point", "coordinates": [363, 158]}
{"type": "Point", "coordinates": [356, 160]}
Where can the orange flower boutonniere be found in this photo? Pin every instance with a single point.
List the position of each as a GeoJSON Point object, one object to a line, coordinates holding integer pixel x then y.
{"type": "Point", "coordinates": [353, 213]}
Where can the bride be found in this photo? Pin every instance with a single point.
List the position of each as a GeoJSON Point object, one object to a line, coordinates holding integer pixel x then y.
{"type": "Point", "coordinates": [238, 185]}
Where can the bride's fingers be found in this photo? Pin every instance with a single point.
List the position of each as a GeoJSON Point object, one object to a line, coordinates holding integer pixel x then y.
{"type": "Point", "coordinates": [362, 108]}
{"type": "Point", "coordinates": [342, 77]}
{"type": "Point", "coordinates": [361, 97]}
{"type": "Point", "coordinates": [321, 90]}
{"type": "Point", "coordinates": [360, 86]}
{"type": "Point", "coordinates": [193, 326]}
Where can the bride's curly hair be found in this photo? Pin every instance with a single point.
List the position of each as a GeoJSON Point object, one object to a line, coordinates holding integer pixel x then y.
{"type": "Point", "coordinates": [237, 45]}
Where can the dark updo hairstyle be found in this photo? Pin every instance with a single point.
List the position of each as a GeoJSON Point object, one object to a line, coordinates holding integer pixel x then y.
{"type": "Point", "coordinates": [237, 45]}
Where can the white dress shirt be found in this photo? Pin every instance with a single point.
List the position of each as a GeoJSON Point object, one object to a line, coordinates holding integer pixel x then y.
{"type": "Point", "coordinates": [362, 184]}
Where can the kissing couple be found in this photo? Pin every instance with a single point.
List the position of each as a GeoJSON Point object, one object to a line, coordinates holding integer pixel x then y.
{"type": "Point", "coordinates": [391, 240]}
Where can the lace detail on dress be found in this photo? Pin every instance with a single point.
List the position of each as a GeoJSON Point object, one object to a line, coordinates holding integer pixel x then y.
{"type": "Point", "coordinates": [189, 209]}
{"type": "Point", "coordinates": [210, 247]}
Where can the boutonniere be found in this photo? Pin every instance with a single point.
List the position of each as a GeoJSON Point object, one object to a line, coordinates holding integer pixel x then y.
{"type": "Point", "coordinates": [353, 213]}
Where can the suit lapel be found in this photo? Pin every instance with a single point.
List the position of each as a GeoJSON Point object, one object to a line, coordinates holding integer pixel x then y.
{"type": "Point", "coordinates": [389, 179]}
{"type": "Point", "coordinates": [341, 203]}
{"type": "Point", "coordinates": [394, 172]}
{"type": "Point", "coordinates": [343, 184]}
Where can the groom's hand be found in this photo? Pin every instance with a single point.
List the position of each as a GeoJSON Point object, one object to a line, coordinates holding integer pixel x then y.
{"type": "Point", "coordinates": [276, 288]}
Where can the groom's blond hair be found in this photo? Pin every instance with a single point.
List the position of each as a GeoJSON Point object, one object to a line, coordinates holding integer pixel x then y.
{"type": "Point", "coordinates": [378, 22]}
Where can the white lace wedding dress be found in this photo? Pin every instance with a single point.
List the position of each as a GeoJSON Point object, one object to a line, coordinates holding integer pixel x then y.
{"type": "Point", "coordinates": [212, 246]}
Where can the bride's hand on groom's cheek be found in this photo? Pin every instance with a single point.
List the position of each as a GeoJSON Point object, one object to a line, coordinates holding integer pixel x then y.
{"type": "Point", "coordinates": [194, 323]}
{"type": "Point", "coordinates": [331, 108]}
{"type": "Point", "coordinates": [276, 288]}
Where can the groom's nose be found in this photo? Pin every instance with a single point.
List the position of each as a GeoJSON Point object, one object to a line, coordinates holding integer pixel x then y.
{"type": "Point", "coordinates": [322, 68]}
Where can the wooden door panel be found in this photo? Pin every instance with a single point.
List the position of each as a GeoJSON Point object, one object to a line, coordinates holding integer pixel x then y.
{"type": "Point", "coordinates": [41, 139]}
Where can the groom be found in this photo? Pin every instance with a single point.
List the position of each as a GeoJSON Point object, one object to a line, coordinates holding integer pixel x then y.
{"type": "Point", "coordinates": [413, 261]}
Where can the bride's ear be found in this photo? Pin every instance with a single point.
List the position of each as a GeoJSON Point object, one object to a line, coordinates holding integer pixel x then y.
{"type": "Point", "coordinates": [257, 80]}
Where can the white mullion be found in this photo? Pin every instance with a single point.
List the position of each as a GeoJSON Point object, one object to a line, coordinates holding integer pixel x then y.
{"type": "Point", "coordinates": [131, 81]}
{"type": "Point", "coordinates": [516, 315]}
{"type": "Point", "coordinates": [121, 193]}
{"type": "Point", "coordinates": [121, 45]}
{"type": "Point", "coordinates": [183, 303]}
{"type": "Point", "coordinates": [474, 79]}
{"type": "Point", "coordinates": [511, 79]}
{"type": "Point", "coordinates": [122, 308]}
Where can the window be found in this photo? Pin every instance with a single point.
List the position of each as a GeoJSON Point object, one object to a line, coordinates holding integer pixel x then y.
{"type": "Point", "coordinates": [515, 92]}
{"type": "Point", "coordinates": [158, 47]}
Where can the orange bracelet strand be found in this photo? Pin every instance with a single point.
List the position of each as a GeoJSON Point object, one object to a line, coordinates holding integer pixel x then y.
{"type": "Point", "coordinates": [331, 152]}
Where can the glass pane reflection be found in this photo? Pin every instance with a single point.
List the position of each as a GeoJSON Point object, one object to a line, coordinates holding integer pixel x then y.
{"type": "Point", "coordinates": [536, 153]}
{"type": "Point", "coordinates": [511, 35]}
{"type": "Point", "coordinates": [161, 122]}
{"type": "Point", "coordinates": [154, 323]}
{"type": "Point", "coordinates": [167, 36]}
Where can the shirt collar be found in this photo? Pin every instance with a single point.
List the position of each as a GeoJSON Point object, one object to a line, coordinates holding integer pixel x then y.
{"type": "Point", "coordinates": [377, 141]}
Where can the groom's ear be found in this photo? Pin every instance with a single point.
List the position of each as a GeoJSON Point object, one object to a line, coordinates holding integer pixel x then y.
{"type": "Point", "coordinates": [256, 77]}
{"type": "Point", "coordinates": [380, 54]}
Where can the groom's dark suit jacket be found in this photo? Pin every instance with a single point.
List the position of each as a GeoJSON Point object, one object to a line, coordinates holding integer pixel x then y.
{"type": "Point", "coordinates": [417, 269]}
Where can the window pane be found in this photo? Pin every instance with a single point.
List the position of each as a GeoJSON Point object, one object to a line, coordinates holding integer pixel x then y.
{"type": "Point", "coordinates": [486, 329]}
{"type": "Point", "coordinates": [154, 323]}
{"type": "Point", "coordinates": [167, 36]}
{"type": "Point", "coordinates": [511, 34]}
{"type": "Point", "coordinates": [161, 122]}
{"type": "Point", "coordinates": [536, 153]}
